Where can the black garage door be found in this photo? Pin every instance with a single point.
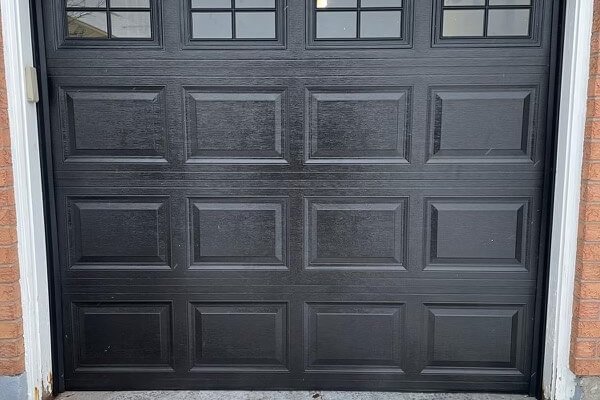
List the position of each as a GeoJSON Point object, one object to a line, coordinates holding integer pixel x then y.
{"type": "Point", "coordinates": [298, 194]}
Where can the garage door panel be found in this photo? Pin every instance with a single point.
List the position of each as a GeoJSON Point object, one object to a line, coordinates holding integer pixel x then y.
{"type": "Point", "coordinates": [301, 236]}
{"type": "Point", "coordinates": [464, 339]}
{"type": "Point", "coordinates": [114, 337]}
{"type": "Point", "coordinates": [263, 117]}
{"type": "Point", "coordinates": [354, 338]}
{"type": "Point", "coordinates": [493, 233]}
{"type": "Point", "coordinates": [238, 337]}
{"type": "Point", "coordinates": [174, 14]}
{"type": "Point", "coordinates": [241, 233]}
{"type": "Point", "coordinates": [119, 232]}
{"type": "Point", "coordinates": [487, 124]}
{"type": "Point", "coordinates": [255, 132]}
{"type": "Point", "coordinates": [349, 125]}
{"type": "Point", "coordinates": [351, 337]}
{"type": "Point", "coordinates": [355, 233]}
{"type": "Point", "coordinates": [113, 123]}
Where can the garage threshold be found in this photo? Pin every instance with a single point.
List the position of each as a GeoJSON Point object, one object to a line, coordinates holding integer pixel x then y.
{"type": "Point", "coordinates": [282, 395]}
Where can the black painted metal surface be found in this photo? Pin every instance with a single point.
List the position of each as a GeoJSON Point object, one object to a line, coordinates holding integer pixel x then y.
{"type": "Point", "coordinates": [299, 213]}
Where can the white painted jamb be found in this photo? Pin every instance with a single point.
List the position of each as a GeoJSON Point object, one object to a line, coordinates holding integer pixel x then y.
{"type": "Point", "coordinates": [558, 380]}
{"type": "Point", "coordinates": [18, 54]}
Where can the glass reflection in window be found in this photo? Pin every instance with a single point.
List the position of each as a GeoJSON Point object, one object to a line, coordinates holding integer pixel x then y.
{"type": "Point", "coordinates": [480, 19]}
{"type": "Point", "coordinates": [234, 19]}
{"type": "Point", "coordinates": [359, 19]}
{"type": "Point", "coordinates": [109, 19]}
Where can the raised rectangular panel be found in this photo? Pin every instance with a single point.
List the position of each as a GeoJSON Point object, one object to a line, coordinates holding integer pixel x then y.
{"type": "Point", "coordinates": [354, 337]}
{"type": "Point", "coordinates": [355, 232]}
{"type": "Point", "coordinates": [483, 124]}
{"type": "Point", "coordinates": [119, 232]}
{"type": "Point", "coordinates": [122, 336]}
{"type": "Point", "coordinates": [239, 233]}
{"type": "Point", "coordinates": [235, 125]}
{"type": "Point", "coordinates": [475, 339]}
{"type": "Point", "coordinates": [114, 124]}
{"type": "Point", "coordinates": [357, 126]}
{"type": "Point", "coordinates": [483, 234]}
{"type": "Point", "coordinates": [238, 336]}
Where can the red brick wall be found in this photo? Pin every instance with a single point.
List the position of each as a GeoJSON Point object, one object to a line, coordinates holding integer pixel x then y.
{"type": "Point", "coordinates": [585, 343]}
{"type": "Point", "coordinates": [12, 361]}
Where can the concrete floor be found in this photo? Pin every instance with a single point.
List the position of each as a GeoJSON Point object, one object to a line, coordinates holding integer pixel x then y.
{"type": "Point", "coordinates": [242, 395]}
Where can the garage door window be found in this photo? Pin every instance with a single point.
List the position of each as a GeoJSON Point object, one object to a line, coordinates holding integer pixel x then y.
{"type": "Point", "coordinates": [109, 19]}
{"type": "Point", "coordinates": [234, 19]}
{"type": "Point", "coordinates": [356, 19]}
{"type": "Point", "coordinates": [487, 22]}
{"type": "Point", "coordinates": [359, 23]}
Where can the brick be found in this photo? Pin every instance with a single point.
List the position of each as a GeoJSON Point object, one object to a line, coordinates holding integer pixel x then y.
{"type": "Point", "coordinates": [11, 329]}
{"type": "Point", "coordinates": [8, 216]}
{"type": "Point", "coordinates": [596, 19]}
{"type": "Point", "coordinates": [588, 310]}
{"type": "Point", "coordinates": [9, 291]}
{"type": "Point", "coordinates": [5, 157]}
{"type": "Point", "coordinates": [10, 311]}
{"type": "Point", "coordinates": [6, 176]}
{"type": "Point", "coordinates": [8, 235]}
{"type": "Point", "coordinates": [589, 251]}
{"type": "Point", "coordinates": [593, 107]}
{"type": "Point", "coordinates": [585, 367]}
{"type": "Point", "coordinates": [7, 197]}
{"type": "Point", "coordinates": [591, 150]}
{"type": "Point", "coordinates": [589, 212]}
{"type": "Point", "coordinates": [589, 231]}
{"type": "Point", "coordinates": [592, 127]}
{"type": "Point", "coordinates": [595, 45]}
{"type": "Point", "coordinates": [590, 191]}
{"type": "Point", "coordinates": [8, 254]}
{"type": "Point", "coordinates": [594, 86]}
{"type": "Point", "coordinates": [11, 348]}
{"type": "Point", "coordinates": [591, 171]}
{"type": "Point", "coordinates": [588, 329]}
{"type": "Point", "coordinates": [12, 366]}
{"type": "Point", "coordinates": [9, 273]}
{"type": "Point", "coordinates": [12, 360]}
{"type": "Point", "coordinates": [4, 137]}
{"type": "Point", "coordinates": [594, 64]}
{"type": "Point", "coordinates": [589, 271]}
{"type": "Point", "coordinates": [590, 290]}
{"type": "Point", "coordinates": [585, 349]}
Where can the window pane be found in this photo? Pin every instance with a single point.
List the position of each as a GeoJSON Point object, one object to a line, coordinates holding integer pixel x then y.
{"type": "Point", "coordinates": [462, 23]}
{"type": "Point", "coordinates": [211, 3]}
{"type": "Point", "coordinates": [508, 23]}
{"type": "Point", "coordinates": [381, 3]}
{"type": "Point", "coordinates": [336, 3]}
{"type": "Point", "coordinates": [255, 3]}
{"type": "Point", "coordinates": [460, 3]}
{"type": "Point", "coordinates": [380, 24]}
{"type": "Point", "coordinates": [331, 25]}
{"type": "Point", "coordinates": [510, 2]}
{"type": "Point", "coordinates": [130, 3]}
{"type": "Point", "coordinates": [211, 25]}
{"type": "Point", "coordinates": [131, 25]}
{"type": "Point", "coordinates": [255, 25]}
{"type": "Point", "coordinates": [87, 3]}
{"type": "Point", "coordinates": [86, 24]}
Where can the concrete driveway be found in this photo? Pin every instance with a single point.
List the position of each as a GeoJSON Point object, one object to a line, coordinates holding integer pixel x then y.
{"type": "Point", "coordinates": [268, 395]}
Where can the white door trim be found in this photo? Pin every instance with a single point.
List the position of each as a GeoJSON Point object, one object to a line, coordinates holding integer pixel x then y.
{"type": "Point", "coordinates": [18, 54]}
{"type": "Point", "coordinates": [558, 380]}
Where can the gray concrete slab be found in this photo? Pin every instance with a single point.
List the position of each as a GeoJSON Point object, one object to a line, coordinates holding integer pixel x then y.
{"type": "Point", "coordinates": [267, 395]}
{"type": "Point", "coordinates": [13, 387]}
